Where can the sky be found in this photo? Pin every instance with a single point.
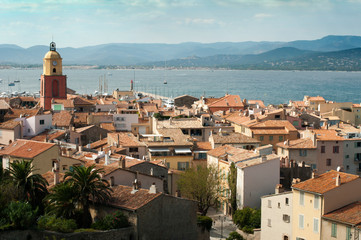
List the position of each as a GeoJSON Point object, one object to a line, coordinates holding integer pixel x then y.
{"type": "Point", "coordinates": [79, 23]}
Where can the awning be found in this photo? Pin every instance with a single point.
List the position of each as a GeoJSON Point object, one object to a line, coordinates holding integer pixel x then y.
{"type": "Point", "coordinates": [158, 150]}
{"type": "Point", "coordinates": [201, 151]}
{"type": "Point", "coordinates": [182, 150]}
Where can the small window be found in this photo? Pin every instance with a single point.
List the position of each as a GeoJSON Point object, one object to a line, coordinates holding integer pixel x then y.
{"type": "Point", "coordinates": [316, 202]}
{"type": "Point", "coordinates": [302, 198]}
{"type": "Point", "coordinates": [328, 162]}
{"type": "Point", "coordinates": [261, 138]}
{"type": "Point", "coordinates": [286, 218]}
{"type": "Point", "coordinates": [42, 122]}
{"type": "Point", "coordinates": [54, 70]}
{"type": "Point", "coordinates": [269, 222]}
{"type": "Point", "coordinates": [270, 138]}
{"type": "Point", "coordinates": [287, 201]}
{"type": "Point", "coordinates": [336, 149]}
{"type": "Point", "coordinates": [315, 225]}
{"type": "Point", "coordinates": [347, 156]}
{"type": "Point", "coordinates": [269, 204]}
{"type": "Point", "coordinates": [334, 230]}
{"type": "Point", "coordinates": [279, 205]}
{"type": "Point", "coordinates": [280, 138]}
{"type": "Point", "coordinates": [303, 152]}
{"type": "Point", "coordinates": [323, 149]}
{"type": "Point", "coordinates": [300, 221]}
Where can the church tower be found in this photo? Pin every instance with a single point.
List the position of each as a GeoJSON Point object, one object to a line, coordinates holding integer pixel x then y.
{"type": "Point", "coordinates": [53, 82]}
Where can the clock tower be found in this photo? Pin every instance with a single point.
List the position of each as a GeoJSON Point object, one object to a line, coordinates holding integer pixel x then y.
{"type": "Point", "coordinates": [53, 82]}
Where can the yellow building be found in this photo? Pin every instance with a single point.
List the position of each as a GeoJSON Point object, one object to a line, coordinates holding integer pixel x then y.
{"type": "Point", "coordinates": [43, 154]}
{"type": "Point", "coordinates": [320, 195]}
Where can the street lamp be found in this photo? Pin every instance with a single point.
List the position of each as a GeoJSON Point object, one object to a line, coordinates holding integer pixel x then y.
{"type": "Point", "coordinates": [222, 218]}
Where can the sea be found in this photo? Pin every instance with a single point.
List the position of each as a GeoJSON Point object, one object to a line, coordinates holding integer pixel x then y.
{"type": "Point", "coordinates": [273, 87]}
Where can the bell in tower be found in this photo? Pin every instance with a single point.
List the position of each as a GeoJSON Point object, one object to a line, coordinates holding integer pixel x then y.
{"type": "Point", "coordinates": [52, 46]}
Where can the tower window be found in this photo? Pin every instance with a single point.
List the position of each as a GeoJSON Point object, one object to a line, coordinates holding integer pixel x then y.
{"type": "Point", "coordinates": [54, 70]}
{"type": "Point", "coordinates": [55, 88]}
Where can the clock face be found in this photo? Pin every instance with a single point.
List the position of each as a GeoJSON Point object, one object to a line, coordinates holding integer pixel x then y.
{"type": "Point", "coordinates": [54, 63]}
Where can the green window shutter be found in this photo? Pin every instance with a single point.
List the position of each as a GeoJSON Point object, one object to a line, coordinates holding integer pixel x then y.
{"type": "Point", "coordinates": [179, 165]}
{"type": "Point", "coordinates": [187, 165]}
{"type": "Point", "coordinates": [348, 233]}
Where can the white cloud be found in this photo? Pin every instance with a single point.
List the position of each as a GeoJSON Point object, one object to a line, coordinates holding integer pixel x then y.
{"type": "Point", "coordinates": [202, 21]}
{"type": "Point", "coordinates": [262, 15]}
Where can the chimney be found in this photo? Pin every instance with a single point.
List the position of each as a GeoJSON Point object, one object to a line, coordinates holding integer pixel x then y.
{"type": "Point", "coordinates": [263, 158]}
{"type": "Point", "coordinates": [153, 189]}
{"type": "Point", "coordinates": [338, 180]}
{"type": "Point", "coordinates": [314, 174]}
{"type": "Point", "coordinates": [56, 173]}
{"type": "Point", "coordinates": [118, 140]}
{"type": "Point", "coordinates": [106, 159]}
{"type": "Point", "coordinates": [279, 189]}
{"type": "Point", "coordinates": [79, 148]}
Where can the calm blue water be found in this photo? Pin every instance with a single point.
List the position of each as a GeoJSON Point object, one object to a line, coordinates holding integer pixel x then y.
{"type": "Point", "coordinates": [270, 86]}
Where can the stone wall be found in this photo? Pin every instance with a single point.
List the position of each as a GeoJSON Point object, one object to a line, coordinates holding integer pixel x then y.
{"type": "Point", "coordinates": [116, 234]}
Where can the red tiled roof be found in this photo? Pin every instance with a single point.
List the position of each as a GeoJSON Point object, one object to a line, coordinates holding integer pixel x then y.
{"type": "Point", "coordinates": [203, 146]}
{"type": "Point", "coordinates": [62, 119]}
{"type": "Point", "coordinates": [123, 197]}
{"type": "Point", "coordinates": [26, 148]}
{"type": "Point", "coordinates": [325, 182]}
{"type": "Point", "coordinates": [48, 134]}
{"type": "Point", "coordinates": [11, 124]}
{"type": "Point", "coordinates": [327, 135]}
{"type": "Point", "coordinates": [227, 101]}
{"type": "Point", "coordinates": [350, 214]}
{"type": "Point", "coordinates": [303, 143]}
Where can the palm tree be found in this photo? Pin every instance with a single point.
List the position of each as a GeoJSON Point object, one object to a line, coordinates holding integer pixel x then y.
{"type": "Point", "coordinates": [61, 201]}
{"type": "Point", "coordinates": [88, 186]}
{"type": "Point", "coordinates": [32, 187]}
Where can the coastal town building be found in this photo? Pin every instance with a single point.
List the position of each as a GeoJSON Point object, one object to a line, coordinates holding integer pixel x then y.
{"type": "Point", "coordinates": [276, 215]}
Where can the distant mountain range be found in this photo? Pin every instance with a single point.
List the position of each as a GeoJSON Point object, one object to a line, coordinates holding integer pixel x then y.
{"type": "Point", "coordinates": [328, 53]}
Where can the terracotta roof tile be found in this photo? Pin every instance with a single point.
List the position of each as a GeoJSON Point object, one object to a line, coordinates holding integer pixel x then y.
{"type": "Point", "coordinates": [26, 148]}
{"type": "Point", "coordinates": [62, 119]}
{"type": "Point", "coordinates": [303, 143]}
{"type": "Point", "coordinates": [10, 124]}
{"type": "Point", "coordinates": [233, 137]}
{"type": "Point", "coordinates": [49, 134]}
{"type": "Point", "coordinates": [327, 135]}
{"type": "Point", "coordinates": [203, 146]}
{"type": "Point", "coordinates": [227, 101]}
{"type": "Point", "coordinates": [325, 182]}
{"type": "Point", "coordinates": [123, 197]}
{"type": "Point", "coordinates": [350, 214]}
{"type": "Point", "coordinates": [108, 126]}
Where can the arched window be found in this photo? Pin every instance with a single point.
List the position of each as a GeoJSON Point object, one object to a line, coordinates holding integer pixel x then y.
{"type": "Point", "coordinates": [54, 70]}
{"type": "Point", "coordinates": [55, 88]}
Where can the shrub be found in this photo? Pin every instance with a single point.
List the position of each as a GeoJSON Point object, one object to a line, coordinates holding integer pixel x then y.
{"type": "Point", "coordinates": [247, 229]}
{"type": "Point", "coordinates": [21, 215]}
{"type": "Point", "coordinates": [235, 236]}
{"type": "Point", "coordinates": [205, 222]}
{"type": "Point", "coordinates": [52, 223]}
{"type": "Point", "coordinates": [111, 221]}
{"type": "Point", "coordinates": [247, 219]}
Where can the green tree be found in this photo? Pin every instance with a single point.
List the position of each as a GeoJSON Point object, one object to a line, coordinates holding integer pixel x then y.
{"type": "Point", "coordinates": [88, 186]}
{"type": "Point", "coordinates": [232, 183]}
{"type": "Point", "coordinates": [247, 219]}
{"type": "Point", "coordinates": [201, 184]}
{"type": "Point", "coordinates": [235, 236]}
{"type": "Point", "coordinates": [62, 201]}
{"type": "Point", "coordinates": [32, 187]}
